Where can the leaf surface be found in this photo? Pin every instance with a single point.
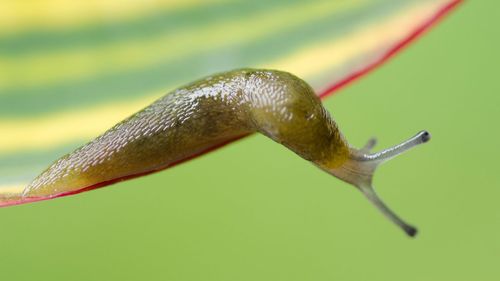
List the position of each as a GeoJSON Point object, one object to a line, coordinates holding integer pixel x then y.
{"type": "Point", "coordinates": [69, 73]}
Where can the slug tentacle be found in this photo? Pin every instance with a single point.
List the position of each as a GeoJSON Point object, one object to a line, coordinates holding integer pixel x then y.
{"type": "Point", "coordinates": [208, 113]}
{"type": "Point", "coordinates": [358, 170]}
{"type": "Point", "coordinates": [370, 144]}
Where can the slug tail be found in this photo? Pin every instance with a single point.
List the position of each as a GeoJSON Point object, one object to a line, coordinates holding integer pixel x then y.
{"type": "Point", "coordinates": [358, 170]}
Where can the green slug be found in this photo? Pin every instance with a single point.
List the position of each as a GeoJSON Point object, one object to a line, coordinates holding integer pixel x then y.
{"type": "Point", "coordinates": [208, 113]}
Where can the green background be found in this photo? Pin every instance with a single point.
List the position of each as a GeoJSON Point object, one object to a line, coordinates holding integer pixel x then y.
{"type": "Point", "coordinates": [255, 211]}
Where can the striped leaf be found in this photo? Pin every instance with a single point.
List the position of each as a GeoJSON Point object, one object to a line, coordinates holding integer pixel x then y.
{"type": "Point", "coordinates": [71, 70]}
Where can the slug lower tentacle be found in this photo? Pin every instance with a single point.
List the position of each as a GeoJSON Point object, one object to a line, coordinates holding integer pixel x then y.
{"type": "Point", "coordinates": [208, 113]}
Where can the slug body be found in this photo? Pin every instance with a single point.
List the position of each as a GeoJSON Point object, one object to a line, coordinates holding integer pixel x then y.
{"type": "Point", "coordinates": [211, 112]}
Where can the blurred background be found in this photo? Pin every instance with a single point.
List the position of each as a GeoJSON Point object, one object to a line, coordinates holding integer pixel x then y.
{"type": "Point", "coordinates": [253, 210]}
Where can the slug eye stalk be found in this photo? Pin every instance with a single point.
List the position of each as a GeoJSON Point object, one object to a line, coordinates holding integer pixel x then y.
{"type": "Point", "coordinates": [358, 170]}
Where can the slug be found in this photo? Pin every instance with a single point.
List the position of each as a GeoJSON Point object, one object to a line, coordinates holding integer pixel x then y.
{"type": "Point", "coordinates": [211, 112]}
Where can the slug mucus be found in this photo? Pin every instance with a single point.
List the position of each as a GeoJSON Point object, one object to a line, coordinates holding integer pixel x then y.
{"type": "Point", "coordinates": [213, 111]}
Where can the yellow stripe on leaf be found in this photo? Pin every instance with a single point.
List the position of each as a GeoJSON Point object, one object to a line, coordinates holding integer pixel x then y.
{"type": "Point", "coordinates": [23, 15]}
{"type": "Point", "coordinates": [65, 127]}
{"type": "Point", "coordinates": [13, 189]}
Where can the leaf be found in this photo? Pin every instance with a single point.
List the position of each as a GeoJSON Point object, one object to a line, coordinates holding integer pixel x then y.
{"type": "Point", "coordinates": [69, 72]}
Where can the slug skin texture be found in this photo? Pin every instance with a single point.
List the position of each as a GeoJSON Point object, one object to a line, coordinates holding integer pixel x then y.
{"type": "Point", "coordinates": [211, 112]}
